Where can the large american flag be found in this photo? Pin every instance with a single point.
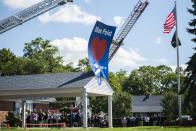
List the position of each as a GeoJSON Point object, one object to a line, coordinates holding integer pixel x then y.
{"type": "Point", "coordinates": [170, 21]}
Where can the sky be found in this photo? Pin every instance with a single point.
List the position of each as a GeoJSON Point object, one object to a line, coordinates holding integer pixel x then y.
{"type": "Point", "coordinates": [69, 27]}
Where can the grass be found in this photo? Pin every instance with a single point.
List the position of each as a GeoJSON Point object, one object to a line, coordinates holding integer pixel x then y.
{"type": "Point", "coordinates": [144, 128]}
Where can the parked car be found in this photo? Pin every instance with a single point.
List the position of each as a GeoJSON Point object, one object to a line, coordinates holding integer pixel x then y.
{"type": "Point", "coordinates": [185, 117]}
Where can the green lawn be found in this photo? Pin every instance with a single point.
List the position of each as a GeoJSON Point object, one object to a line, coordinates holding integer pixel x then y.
{"type": "Point", "coordinates": [113, 129]}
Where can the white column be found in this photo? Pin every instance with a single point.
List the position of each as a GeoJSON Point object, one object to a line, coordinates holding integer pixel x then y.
{"type": "Point", "coordinates": [23, 114]}
{"type": "Point", "coordinates": [85, 96]}
{"type": "Point", "coordinates": [110, 111]}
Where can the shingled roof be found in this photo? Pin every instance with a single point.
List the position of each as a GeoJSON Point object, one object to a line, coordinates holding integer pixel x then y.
{"type": "Point", "coordinates": [147, 103]}
{"type": "Point", "coordinates": [46, 81]}
{"type": "Point", "coordinates": [52, 85]}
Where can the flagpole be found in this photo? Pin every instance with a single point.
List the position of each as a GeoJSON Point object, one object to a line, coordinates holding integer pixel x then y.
{"type": "Point", "coordinates": [178, 67]}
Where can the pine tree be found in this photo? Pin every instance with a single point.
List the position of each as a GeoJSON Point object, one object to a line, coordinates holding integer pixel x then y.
{"type": "Point", "coordinates": [192, 23]}
{"type": "Point", "coordinates": [190, 80]}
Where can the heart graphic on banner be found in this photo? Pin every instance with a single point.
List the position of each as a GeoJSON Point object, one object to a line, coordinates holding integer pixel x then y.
{"type": "Point", "coordinates": [98, 48]}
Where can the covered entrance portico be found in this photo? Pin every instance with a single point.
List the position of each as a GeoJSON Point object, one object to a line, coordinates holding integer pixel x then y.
{"type": "Point", "coordinates": [72, 84]}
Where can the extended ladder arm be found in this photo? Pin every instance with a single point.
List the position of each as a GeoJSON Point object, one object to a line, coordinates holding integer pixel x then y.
{"type": "Point", "coordinates": [29, 13]}
{"type": "Point", "coordinates": [129, 23]}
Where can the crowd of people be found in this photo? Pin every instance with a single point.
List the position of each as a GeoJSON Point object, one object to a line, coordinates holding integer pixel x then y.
{"type": "Point", "coordinates": [55, 118]}
{"type": "Point", "coordinates": [140, 121]}
{"type": "Point", "coordinates": [39, 118]}
{"type": "Point", "coordinates": [98, 120]}
{"type": "Point", "coordinates": [75, 119]}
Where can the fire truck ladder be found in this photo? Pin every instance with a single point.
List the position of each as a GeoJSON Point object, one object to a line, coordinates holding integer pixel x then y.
{"type": "Point", "coordinates": [29, 13]}
{"type": "Point", "coordinates": [129, 23]}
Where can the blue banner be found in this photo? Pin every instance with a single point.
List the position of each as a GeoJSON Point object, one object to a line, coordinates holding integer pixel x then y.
{"type": "Point", "coordinates": [98, 49]}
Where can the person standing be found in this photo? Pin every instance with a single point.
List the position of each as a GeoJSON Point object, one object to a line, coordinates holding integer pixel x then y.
{"type": "Point", "coordinates": [32, 118]}
{"type": "Point", "coordinates": [124, 121]}
{"type": "Point", "coordinates": [132, 121]}
{"type": "Point", "coordinates": [146, 120]}
{"type": "Point", "coordinates": [36, 118]}
{"type": "Point", "coordinates": [40, 117]}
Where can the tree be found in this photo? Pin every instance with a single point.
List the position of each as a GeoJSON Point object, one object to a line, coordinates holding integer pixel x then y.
{"type": "Point", "coordinates": [12, 65]}
{"type": "Point", "coordinates": [116, 80]}
{"type": "Point", "coordinates": [34, 66]}
{"type": "Point", "coordinates": [39, 58]}
{"type": "Point", "coordinates": [99, 103]}
{"type": "Point", "coordinates": [170, 83]}
{"type": "Point", "coordinates": [37, 46]}
{"type": "Point", "coordinates": [149, 80]}
{"type": "Point", "coordinates": [143, 81]}
{"type": "Point", "coordinates": [18, 67]}
{"type": "Point", "coordinates": [192, 23]}
{"type": "Point", "coordinates": [134, 85]}
{"type": "Point", "coordinates": [170, 105]}
{"type": "Point", "coordinates": [44, 54]}
{"type": "Point", "coordinates": [122, 104]}
{"type": "Point", "coordinates": [190, 79]}
{"type": "Point", "coordinates": [6, 59]}
{"type": "Point", "coordinates": [12, 120]}
{"type": "Point", "coordinates": [70, 67]}
{"type": "Point", "coordinates": [83, 65]}
{"type": "Point", "coordinates": [9, 63]}
{"type": "Point", "coordinates": [5, 56]}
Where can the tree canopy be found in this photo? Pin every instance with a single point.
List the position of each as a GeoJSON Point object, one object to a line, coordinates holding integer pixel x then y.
{"type": "Point", "coordinates": [40, 57]}
{"type": "Point", "coordinates": [7, 59]}
{"type": "Point", "coordinates": [44, 53]}
{"type": "Point", "coordinates": [170, 105]}
{"type": "Point", "coordinates": [83, 65]}
{"type": "Point", "coordinates": [150, 80]}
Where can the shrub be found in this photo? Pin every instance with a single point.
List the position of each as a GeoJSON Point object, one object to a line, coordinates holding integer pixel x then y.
{"type": "Point", "coordinates": [12, 120]}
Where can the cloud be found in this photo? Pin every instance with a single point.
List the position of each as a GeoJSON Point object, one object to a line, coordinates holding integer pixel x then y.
{"type": "Point", "coordinates": [118, 20]}
{"type": "Point", "coordinates": [14, 4]}
{"type": "Point", "coordinates": [72, 49]}
{"type": "Point", "coordinates": [76, 48]}
{"type": "Point", "coordinates": [69, 13]}
{"type": "Point", "coordinates": [126, 59]}
{"type": "Point", "coordinates": [158, 40]}
{"type": "Point", "coordinates": [183, 66]}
